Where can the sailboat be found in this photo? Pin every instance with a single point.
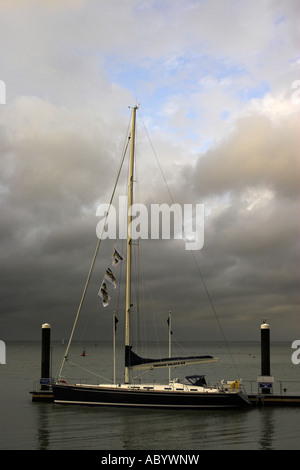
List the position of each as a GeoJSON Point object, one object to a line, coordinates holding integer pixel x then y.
{"type": "Point", "coordinates": [190, 393]}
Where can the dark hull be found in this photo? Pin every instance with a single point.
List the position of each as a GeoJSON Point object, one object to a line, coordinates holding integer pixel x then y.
{"type": "Point", "coordinates": [118, 397]}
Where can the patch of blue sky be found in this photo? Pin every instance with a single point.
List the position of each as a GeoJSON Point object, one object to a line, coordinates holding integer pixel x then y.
{"type": "Point", "coordinates": [279, 20]}
{"type": "Point", "coordinates": [147, 82]}
{"type": "Point", "coordinates": [219, 67]}
{"type": "Point", "coordinates": [191, 114]}
{"type": "Point", "coordinates": [226, 68]}
{"type": "Point", "coordinates": [178, 73]}
{"type": "Point", "coordinates": [225, 115]}
{"type": "Point", "coordinates": [255, 92]}
{"type": "Point", "coordinates": [126, 75]}
{"type": "Point", "coordinates": [155, 82]}
{"type": "Point", "coordinates": [203, 147]}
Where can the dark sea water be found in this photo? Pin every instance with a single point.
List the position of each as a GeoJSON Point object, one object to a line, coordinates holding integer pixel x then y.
{"type": "Point", "coordinates": [46, 426]}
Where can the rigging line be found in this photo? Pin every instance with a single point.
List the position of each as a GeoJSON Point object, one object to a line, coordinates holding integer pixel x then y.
{"type": "Point", "coordinates": [198, 268]}
{"type": "Point", "coordinates": [142, 373]}
{"type": "Point", "coordinates": [89, 371]}
{"type": "Point", "coordinates": [93, 261]}
{"type": "Point", "coordinates": [162, 173]}
{"type": "Point", "coordinates": [214, 311]}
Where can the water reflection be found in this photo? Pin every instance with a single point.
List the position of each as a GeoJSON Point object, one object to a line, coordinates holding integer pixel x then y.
{"type": "Point", "coordinates": [267, 430]}
{"type": "Point", "coordinates": [43, 430]}
{"type": "Point", "coordinates": [70, 427]}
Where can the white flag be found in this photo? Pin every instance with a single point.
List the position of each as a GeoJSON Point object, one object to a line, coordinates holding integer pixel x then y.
{"type": "Point", "coordinates": [104, 294]}
{"type": "Point", "coordinates": [116, 257]}
{"type": "Point", "coordinates": [109, 276]}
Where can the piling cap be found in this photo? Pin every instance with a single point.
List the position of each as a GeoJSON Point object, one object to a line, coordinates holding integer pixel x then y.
{"type": "Point", "coordinates": [46, 325]}
{"type": "Point", "coordinates": [265, 325]}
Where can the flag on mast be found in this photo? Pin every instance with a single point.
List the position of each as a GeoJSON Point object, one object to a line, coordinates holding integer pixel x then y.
{"type": "Point", "coordinates": [116, 321]}
{"type": "Point", "coordinates": [109, 276]}
{"type": "Point", "coordinates": [104, 294]}
{"type": "Point", "coordinates": [116, 257]}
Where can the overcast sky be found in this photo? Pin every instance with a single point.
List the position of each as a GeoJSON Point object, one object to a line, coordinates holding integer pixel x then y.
{"type": "Point", "coordinates": [217, 86]}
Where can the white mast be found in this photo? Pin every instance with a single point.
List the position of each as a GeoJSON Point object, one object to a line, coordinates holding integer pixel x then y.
{"type": "Point", "coordinates": [128, 272]}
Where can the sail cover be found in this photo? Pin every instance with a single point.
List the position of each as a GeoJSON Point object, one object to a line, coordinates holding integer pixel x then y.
{"type": "Point", "coordinates": [134, 361]}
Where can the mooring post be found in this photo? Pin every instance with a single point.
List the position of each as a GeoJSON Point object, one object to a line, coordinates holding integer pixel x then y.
{"type": "Point", "coordinates": [265, 348]}
{"type": "Point", "coordinates": [45, 363]}
{"type": "Point", "coordinates": [265, 380]}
